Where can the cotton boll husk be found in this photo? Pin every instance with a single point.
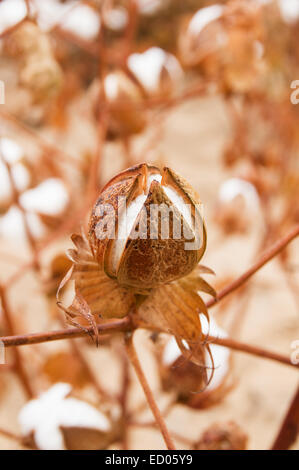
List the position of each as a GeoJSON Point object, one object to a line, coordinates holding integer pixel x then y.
{"type": "Point", "coordinates": [124, 98]}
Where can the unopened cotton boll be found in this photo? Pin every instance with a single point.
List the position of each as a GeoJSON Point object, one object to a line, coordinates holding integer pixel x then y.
{"type": "Point", "coordinates": [46, 416]}
{"type": "Point", "coordinates": [50, 197]}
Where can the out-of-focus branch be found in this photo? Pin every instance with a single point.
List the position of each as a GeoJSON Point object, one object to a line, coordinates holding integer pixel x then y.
{"type": "Point", "coordinates": [290, 426]}
{"type": "Point", "coordinates": [149, 394]}
{"type": "Point", "coordinates": [20, 369]}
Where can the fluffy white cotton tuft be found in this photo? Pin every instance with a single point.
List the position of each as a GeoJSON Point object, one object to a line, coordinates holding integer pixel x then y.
{"type": "Point", "coordinates": [203, 17]}
{"type": "Point", "coordinates": [147, 67]}
{"type": "Point", "coordinates": [234, 187]}
{"type": "Point", "coordinates": [50, 197]}
{"type": "Point", "coordinates": [44, 415]}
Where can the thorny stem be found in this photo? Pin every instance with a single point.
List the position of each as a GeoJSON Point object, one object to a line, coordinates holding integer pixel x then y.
{"type": "Point", "coordinates": [148, 393]}
{"type": "Point", "coordinates": [267, 256]}
{"type": "Point", "coordinates": [290, 426]}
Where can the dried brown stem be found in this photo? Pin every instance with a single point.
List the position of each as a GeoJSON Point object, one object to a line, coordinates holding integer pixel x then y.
{"type": "Point", "coordinates": [35, 338]}
{"type": "Point", "coordinates": [148, 393]}
{"type": "Point", "coordinates": [253, 350]}
{"type": "Point", "coordinates": [124, 324]}
{"type": "Point", "coordinates": [290, 426]}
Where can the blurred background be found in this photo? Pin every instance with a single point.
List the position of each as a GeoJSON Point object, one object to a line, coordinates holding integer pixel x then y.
{"type": "Point", "coordinates": [89, 88]}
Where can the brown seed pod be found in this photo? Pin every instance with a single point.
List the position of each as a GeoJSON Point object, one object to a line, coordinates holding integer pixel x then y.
{"type": "Point", "coordinates": [134, 262]}
{"type": "Point", "coordinates": [124, 97]}
{"type": "Point", "coordinates": [39, 71]}
{"type": "Point", "coordinates": [155, 258]}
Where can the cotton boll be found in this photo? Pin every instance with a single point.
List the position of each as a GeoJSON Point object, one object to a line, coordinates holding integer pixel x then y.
{"type": "Point", "coordinates": [116, 19]}
{"type": "Point", "coordinates": [203, 37]}
{"type": "Point", "coordinates": [238, 202]}
{"type": "Point", "coordinates": [235, 187]}
{"type": "Point", "coordinates": [220, 355]}
{"type": "Point", "coordinates": [12, 225]}
{"type": "Point", "coordinates": [203, 17]}
{"type": "Point", "coordinates": [78, 19]}
{"type": "Point", "coordinates": [289, 10]}
{"type": "Point", "coordinates": [184, 377]}
{"type": "Point", "coordinates": [124, 96]}
{"type": "Point", "coordinates": [11, 151]}
{"type": "Point", "coordinates": [84, 21]}
{"type": "Point", "coordinates": [11, 13]}
{"type": "Point", "coordinates": [150, 7]}
{"type": "Point", "coordinates": [149, 65]}
{"type": "Point", "coordinates": [45, 416]}
{"type": "Point", "coordinates": [50, 197]}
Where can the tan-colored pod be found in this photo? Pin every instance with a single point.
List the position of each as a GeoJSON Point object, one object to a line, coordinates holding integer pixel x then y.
{"type": "Point", "coordinates": [125, 98]}
{"type": "Point", "coordinates": [159, 235]}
